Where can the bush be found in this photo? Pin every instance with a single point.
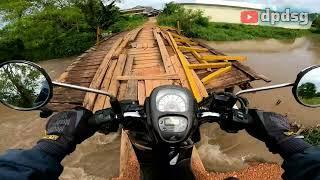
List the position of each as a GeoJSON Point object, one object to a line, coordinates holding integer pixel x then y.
{"type": "Point", "coordinates": [52, 33]}
{"type": "Point", "coordinates": [52, 29]}
{"type": "Point", "coordinates": [194, 24]}
{"type": "Point", "coordinates": [312, 136]}
{"type": "Point", "coordinates": [188, 19]}
{"type": "Point", "coordinates": [126, 23]}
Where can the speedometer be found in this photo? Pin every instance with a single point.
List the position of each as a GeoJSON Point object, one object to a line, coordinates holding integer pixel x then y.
{"type": "Point", "coordinates": [172, 103]}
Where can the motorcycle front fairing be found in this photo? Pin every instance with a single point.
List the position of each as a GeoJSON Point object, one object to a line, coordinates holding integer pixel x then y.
{"type": "Point", "coordinates": [164, 146]}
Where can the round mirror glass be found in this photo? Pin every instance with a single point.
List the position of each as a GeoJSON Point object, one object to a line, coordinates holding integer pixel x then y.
{"type": "Point", "coordinates": [308, 89]}
{"type": "Point", "coordinates": [24, 86]}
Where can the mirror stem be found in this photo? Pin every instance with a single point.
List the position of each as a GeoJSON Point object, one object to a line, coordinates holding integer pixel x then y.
{"type": "Point", "coordinates": [265, 88]}
{"type": "Point", "coordinates": [80, 88]}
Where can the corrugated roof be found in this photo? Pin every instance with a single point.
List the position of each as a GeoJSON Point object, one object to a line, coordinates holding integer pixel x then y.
{"type": "Point", "coordinates": [227, 3]}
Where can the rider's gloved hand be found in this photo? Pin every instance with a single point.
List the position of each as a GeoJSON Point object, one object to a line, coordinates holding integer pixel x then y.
{"type": "Point", "coordinates": [274, 130]}
{"type": "Point", "coordinates": [64, 131]}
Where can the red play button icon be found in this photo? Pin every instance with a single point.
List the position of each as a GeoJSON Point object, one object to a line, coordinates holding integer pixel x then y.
{"type": "Point", "coordinates": [248, 17]}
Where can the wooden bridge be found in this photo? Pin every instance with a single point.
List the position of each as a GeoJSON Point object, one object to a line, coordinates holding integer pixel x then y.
{"type": "Point", "coordinates": [130, 65]}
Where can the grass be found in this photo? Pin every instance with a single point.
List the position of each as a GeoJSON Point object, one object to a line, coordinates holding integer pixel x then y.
{"type": "Point", "coordinates": [195, 24]}
{"type": "Point", "coordinates": [313, 101]}
{"type": "Point", "coordinates": [235, 32]}
{"type": "Point", "coordinates": [312, 136]}
{"type": "Point", "coordinates": [127, 23]}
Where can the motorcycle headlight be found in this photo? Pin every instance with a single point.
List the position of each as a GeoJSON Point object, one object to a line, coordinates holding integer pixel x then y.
{"type": "Point", "coordinates": [171, 101]}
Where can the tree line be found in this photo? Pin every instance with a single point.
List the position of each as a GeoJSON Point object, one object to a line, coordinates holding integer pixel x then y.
{"type": "Point", "coordinates": [45, 29]}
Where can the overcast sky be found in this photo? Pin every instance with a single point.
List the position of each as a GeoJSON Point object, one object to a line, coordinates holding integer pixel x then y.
{"type": "Point", "coordinates": [311, 5]}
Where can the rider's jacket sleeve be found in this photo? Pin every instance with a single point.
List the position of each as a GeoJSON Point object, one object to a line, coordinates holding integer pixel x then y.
{"type": "Point", "coordinates": [29, 164]}
{"type": "Point", "coordinates": [305, 165]}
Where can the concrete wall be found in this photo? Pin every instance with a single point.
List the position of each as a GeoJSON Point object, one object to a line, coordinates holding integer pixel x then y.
{"type": "Point", "coordinates": [228, 14]}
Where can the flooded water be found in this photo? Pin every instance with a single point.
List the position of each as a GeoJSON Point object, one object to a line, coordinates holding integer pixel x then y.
{"type": "Point", "coordinates": [98, 158]}
{"type": "Point", "coordinates": [281, 61]}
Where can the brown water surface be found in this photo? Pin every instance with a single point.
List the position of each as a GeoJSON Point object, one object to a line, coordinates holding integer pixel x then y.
{"type": "Point", "coordinates": [281, 61]}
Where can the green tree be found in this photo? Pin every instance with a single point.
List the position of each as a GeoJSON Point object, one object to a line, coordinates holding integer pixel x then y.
{"type": "Point", "coordinates": [99, 15]}
{"type": "Point", "coordinates": [307, 90]}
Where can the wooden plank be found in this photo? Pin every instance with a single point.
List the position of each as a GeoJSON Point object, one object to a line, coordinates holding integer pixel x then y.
{"type": "Point", "coordinates": [164, 53]}
{"type": "Point", "coordinates": [179, 70]}
{"type": "Point", "coordinates": [127, 71]}
{"type": "Point", "coordinates": [99, 75]}
{"type": "Point", "coordinates": [149, 87]}
{"type": "Point", "coordinates": [141, 92]}
{"type": "Point", "coordinates": [82, 75]}
{"type": "Point", "coordinates": [151, 57]}
{"type": "Point", "coordinates": [123, 44]}
{"type": "Point", "coordinates": [122, 90]}
{"type": "Point", "coordinates": [132, 90]}
{"type": "Point", "coordinates": [105, 86]}
{"type": "Point", "coordinates": [128, 67]}
{"type": "Point", "coordinates": [147, 49]}
{"type": "Point", "coordinates": [84, 70]}
{"type": "Point", "coordinates": [146, 62]}
{"type": "Point", "coordinates": [135, 34]}
{"type": "Point", "coordinates": [148, 77]}
{"type": "Point", "coordinates": [61, 98]}
{"type": "Point", "coordinates": [114, 86]}
{"type": "Point", "coordinates": [139, 66]}
{"type": "Point", "coordinates": [250, 72]}
{"type": "Point", "coordinates": [58, 107]}
{"type": "Point", "coordinates": [128, 159]}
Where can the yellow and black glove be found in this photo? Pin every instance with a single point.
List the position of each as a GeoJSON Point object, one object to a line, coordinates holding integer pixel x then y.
{"type": "Point", "coordinates": [64, 131]}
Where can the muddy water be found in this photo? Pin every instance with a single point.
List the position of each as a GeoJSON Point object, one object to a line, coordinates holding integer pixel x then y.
{"type": "Point", "coordinates": [98, 158]}
{"type": "Point", "coordinates": [280, 61]}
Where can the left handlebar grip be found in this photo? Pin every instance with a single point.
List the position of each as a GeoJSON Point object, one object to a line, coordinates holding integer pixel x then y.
{"type": "Point", "coordinates": [104, 120]}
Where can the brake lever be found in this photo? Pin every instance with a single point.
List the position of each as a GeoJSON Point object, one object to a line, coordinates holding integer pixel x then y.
{"type": "Point", "coordinates": [45, 112]}
{"type": "Point", "coordinates": [105, 121]}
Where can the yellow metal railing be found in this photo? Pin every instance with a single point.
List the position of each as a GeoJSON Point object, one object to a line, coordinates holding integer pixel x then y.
{"type": "Point", "coordinates": [222, 63]}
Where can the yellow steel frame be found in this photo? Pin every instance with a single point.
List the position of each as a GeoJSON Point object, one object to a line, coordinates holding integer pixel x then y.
{"type": "Point", "coordinates": [225, 58]}
{"type": "Point", "coordinates": [185, 65]}
{"type": "Point", "coordinates": [215, 74]}
{"type": "Point", "coordinates": [189, 49]}
{"type": "Point", "coordinates": [211, 65]}
{"type": "Point", "coordinates": [206, 62]}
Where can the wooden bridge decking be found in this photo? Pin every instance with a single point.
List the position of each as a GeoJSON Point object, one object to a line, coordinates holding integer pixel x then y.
{"type": "Point", "coordinates": [131, 64]}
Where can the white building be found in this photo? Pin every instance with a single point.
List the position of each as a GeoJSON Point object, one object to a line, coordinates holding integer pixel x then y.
{"type": "Point", "coordinates": [233, 12]}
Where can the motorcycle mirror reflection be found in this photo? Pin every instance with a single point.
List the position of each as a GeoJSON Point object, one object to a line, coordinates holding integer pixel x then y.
{"type": "Point", "coordinates": [24, 85]}
{"type": "Point", "coordinates": [307, 87]}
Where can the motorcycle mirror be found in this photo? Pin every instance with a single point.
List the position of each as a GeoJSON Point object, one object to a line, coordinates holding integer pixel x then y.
{"type": "Point", "coordinates": [24, 85]}
{"type": "Point", "coordinates": [307, 87]}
